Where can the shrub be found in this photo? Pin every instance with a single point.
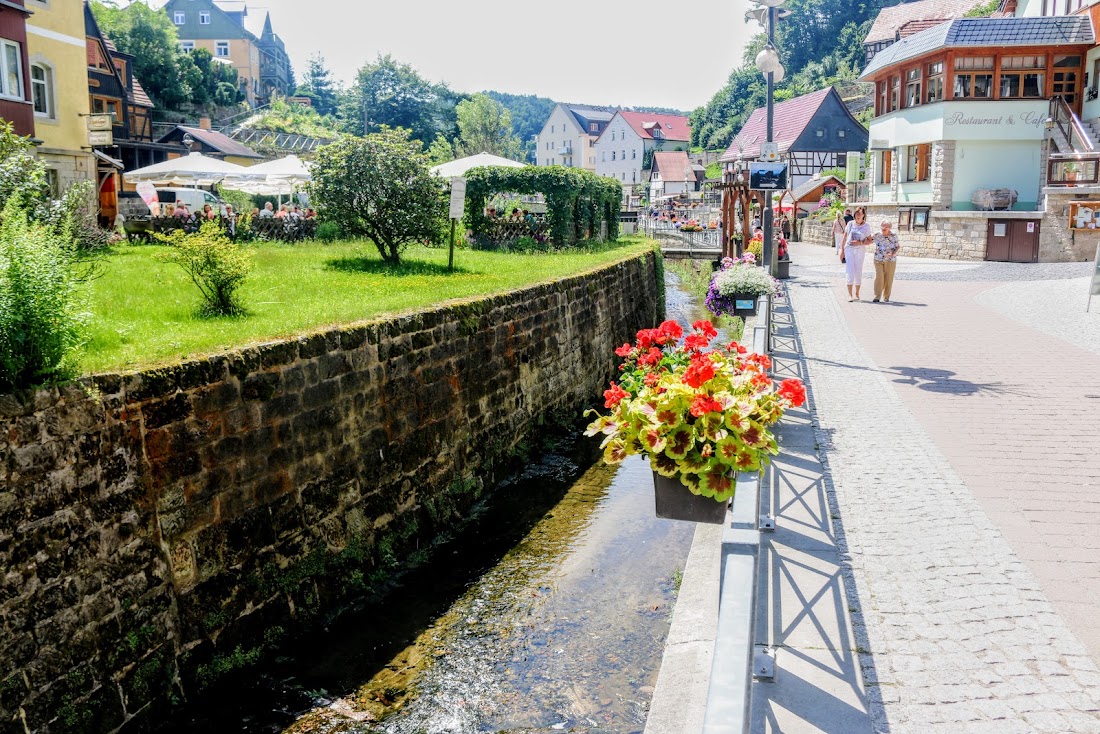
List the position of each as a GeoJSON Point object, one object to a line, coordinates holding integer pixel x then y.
{"type": "Point", "coordinates": [379, 187]}
{"type": "Point", "coordinates": [41, 313]}
{"type": "Point", "coordinates": [329, 232]}
{"type": "Point", "coordinates": [216, 265]}
{"type": "Point", "coordinates": [22, 177]}
{"type": "Point", "coordinates": [71, 217]}
{"type": "Point", "coordinates": [530, 244]}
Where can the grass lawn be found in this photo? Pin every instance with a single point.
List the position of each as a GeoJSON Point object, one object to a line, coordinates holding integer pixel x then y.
{"type": "Point", "coordinates": [145, 312]}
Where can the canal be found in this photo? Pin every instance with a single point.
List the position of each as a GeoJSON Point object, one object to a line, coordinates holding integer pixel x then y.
{"type": "Point", "coordinates": [548, 614]}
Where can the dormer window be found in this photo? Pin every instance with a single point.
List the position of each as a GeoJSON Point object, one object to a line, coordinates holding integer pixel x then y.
{"type": "Point", "coordinates": [593, 127]}
{"type": "Point", "coordinates": [179, 17]}
{"type": "Point", "coordinates": [204, 17]}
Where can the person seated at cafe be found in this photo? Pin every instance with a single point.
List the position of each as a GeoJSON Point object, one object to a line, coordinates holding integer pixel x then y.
{"type": "Point", "coordinates": [282, 213]}
{"type": "Point", "coordinates": [268, 211]}
{"type": "Point", "coordinates": [208, 212]}
{"type": "Point", "coordinates": [255, 212]}
{"type": "Point", "coordinates": [295, 213]}
{"type": "Point", "coordinates": [515, 214]}
{"type": "Point", "coordinates": [181, 211]}
{"type": "Point", "coordinates": [310, 213]}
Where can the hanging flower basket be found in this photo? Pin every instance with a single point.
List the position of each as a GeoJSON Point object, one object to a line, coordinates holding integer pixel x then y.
{"type": "Point", "coordinates": [673, 503]}
{"type": "Point", "coordinates": [700, 415]}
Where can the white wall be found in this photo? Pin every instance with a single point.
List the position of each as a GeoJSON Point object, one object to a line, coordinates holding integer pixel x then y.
{"type": "Point", "coordinates": [561, 131]}
{"type": "Point", "coordinates": [993, 120]}
{"type": "Point", "coordinates": [996, 165]}
{"type": "Point", "coordinates": [620, 138]}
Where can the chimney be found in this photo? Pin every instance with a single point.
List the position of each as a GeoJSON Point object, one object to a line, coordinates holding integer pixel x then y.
{"type": "Point", "coordinates": [204, 123]}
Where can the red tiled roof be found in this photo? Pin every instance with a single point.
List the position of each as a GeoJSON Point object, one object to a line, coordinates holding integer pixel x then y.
{"type": "Point", "coordinates": [674, 127]}
{"type": "Point", "coordinates": [139, 96]}
{"type": "Point", "coordinates": [916, 26]}
{"type": "Point", "coordinates": [791, 118]}
{"type": "Point", "coordinates": [889, 20]}
{"type": "Point", "coordinates": [673, 165]}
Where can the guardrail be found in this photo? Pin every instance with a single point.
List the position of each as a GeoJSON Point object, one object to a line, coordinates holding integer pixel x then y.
{"type": "Point", "coordinates": [737, 661]}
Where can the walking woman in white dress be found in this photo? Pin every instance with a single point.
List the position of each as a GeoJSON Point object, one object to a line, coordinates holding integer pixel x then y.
{"type": "Point", "coordinates": [857, 235]}
{"type": "Point", "coordinates": [838, 231]}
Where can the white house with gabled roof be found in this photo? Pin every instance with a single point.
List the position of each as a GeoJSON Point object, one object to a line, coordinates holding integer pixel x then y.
{"type": "Point", "coordinates": [569, 136]}
{"type": "Point", "coordinates": [621, 149]}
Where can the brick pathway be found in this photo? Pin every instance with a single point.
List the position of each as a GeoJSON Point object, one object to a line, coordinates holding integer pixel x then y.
{"type": "Point", "coordinates": [961, 444]}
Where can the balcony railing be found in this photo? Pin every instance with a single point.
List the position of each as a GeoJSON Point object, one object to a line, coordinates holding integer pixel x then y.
{"type": "Point", "coordinates": [1070, 126]}
{"type": "Point", "coordinates": [565, 151]}
{"type": "Point", "coordinates": [1081, 169]}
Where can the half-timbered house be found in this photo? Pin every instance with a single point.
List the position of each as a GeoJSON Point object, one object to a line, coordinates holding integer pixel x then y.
{"type": "Point", "coordinates": [813, 132]}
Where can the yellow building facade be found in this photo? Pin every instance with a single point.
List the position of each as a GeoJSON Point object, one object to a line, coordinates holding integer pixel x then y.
{"type": "Point", "coordinates": [59, 80]}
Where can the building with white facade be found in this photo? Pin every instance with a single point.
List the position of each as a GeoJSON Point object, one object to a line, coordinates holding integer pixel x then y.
{"type": "Point", "coordinates": [568, 138]}
{"type": "Point", "coordinates": [621, 151]}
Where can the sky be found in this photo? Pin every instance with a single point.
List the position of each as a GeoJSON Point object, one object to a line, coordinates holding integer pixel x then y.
{"type": "Point", "coordinates": [630, 53]}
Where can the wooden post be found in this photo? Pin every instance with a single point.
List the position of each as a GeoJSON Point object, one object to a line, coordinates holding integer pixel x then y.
{"type": "Point", "coordinates": [451, 250]}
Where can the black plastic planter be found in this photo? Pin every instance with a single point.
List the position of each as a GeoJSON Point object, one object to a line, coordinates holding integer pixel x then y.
{"type": "Point", "coordinates": [744, 304]}
{"type": "Point", "coordinates": [676, 502]}
{"type": "Point", "coordinates": [784, 269]}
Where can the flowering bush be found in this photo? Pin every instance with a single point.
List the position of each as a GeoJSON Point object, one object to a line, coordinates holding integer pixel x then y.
{"type": "Point", "coordinates": [697, 413]}
{"type": "Point", "coordinates": [738, 278]}
{"type": "Point", "coordinates": [756, 247]}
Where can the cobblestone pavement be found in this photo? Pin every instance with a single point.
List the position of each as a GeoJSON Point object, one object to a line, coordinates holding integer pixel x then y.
{"type": "Point", "coordinates": [960, 443]}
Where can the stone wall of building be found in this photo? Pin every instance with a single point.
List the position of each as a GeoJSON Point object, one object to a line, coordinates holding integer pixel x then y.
{"type": "Point", "coordinates": [160, 528]}
{"type": "Point", "coordinates": [1059, 243]}
{"type": "Point", "coordinates": [943, 173]}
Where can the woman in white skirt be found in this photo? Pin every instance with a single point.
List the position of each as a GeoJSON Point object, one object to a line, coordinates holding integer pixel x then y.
{"type": "Point", "coordinates": [857, 235]}
{"type": "Point", "coordinates": [838, 231]}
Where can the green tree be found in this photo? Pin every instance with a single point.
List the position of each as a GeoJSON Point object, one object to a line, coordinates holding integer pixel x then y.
{"type": "Point", "coordinates": [440, 151]}
{"type": "Point", "coordinates": [150, 37]}
{"type": "Point", "coordinates": [388, 93]}
{"type": "Point", "coordinates": [317, 84]}
{"type": "Point", "coordinates": [216, 265]}
{"type": "Point", "coordinates": [529, 113]}
{"type": "Point", "coordinates": [379, 187]}
{"type": "Point", "coordinates": [485, 126]}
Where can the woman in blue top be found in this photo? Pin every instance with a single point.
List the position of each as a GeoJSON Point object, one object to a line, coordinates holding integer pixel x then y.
{"type": "Point", "coordinates": [857, 235]}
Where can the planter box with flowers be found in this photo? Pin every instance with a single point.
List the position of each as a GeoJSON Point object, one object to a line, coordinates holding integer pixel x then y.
{"type": "Point", "coordinates": [699, 414]}
{"type": "Point", "coordinates": [737, 285]}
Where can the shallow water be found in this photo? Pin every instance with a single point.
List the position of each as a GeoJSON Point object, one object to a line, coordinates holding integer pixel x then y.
{"type": "Point", "coordinates": [549, 615]}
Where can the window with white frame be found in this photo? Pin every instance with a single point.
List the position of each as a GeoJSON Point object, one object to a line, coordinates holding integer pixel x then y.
{"type": "Point", "coordinates": [634, 154]}
{"type": "Point", "coordinates": [221, 48]}
{"type": "Point", "coordinates": [11, 67]}
{"type": "Point", "coordinates": [204, 17]}
{"type": "Point", "coordinates": [42, 90]}
{"type": "Point", "coordinates": [187, 46]}
{"type": "Point", "coordinates": [179, 17]}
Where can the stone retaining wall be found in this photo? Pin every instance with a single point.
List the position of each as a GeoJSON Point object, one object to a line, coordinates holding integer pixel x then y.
{"type": "Point", "coordinates": [160, 528]}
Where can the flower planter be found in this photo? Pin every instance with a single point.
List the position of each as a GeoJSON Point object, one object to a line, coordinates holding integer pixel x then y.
{"type": "Point", "coordinates": [784, 269]}
{"type": "Point", "coordinates": [674, 501]}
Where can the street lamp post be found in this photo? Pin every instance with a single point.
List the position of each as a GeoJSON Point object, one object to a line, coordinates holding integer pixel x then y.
{"type": "Point", "coordinates": [767, 61]}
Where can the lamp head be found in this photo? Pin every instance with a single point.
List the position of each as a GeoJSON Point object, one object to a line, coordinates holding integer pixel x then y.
{"type": "Point", "coordinates": [767, 61]}
{"type": "Point", "coordinates": [1049, 123]}
{"type": "Point", "coordinates": [769, 3]}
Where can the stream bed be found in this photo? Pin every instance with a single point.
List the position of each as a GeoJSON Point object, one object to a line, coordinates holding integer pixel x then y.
{"type": "Point", "coordinates": [548, 614]}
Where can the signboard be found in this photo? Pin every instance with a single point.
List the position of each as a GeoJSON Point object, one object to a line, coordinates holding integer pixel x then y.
{"type": "Point", "coordinates": [100, 123]}
{"type": "Point", "coordinates": [100, 138]}
{"type": "Point", "coordinates": [769, 152]}
{"type": "Point", "coordinates": [768, 176]}
{"type": "Point", "coordinates": [458, 197]}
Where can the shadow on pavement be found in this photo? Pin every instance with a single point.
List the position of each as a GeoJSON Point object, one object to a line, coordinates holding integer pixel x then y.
{"type": "Point", "coordinates": [809, 606]}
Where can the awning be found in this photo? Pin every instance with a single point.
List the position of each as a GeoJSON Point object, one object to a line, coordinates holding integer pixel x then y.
{"type": "Point", "coordinates": [108, 159]}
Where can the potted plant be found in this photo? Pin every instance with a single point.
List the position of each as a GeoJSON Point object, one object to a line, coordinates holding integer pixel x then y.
{"type": "Point", "coordinates": [1070, 169]}
{"type": "Point", "coordinates": [735, 288]}
{"type": "Point", "coordinates": [700, 415]}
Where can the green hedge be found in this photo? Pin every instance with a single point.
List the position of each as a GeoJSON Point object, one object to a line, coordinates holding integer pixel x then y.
{"type": "Point", "coordinates": [577, 201]}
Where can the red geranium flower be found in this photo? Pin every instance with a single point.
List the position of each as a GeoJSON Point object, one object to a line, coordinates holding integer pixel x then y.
{"type": "Point", "coordinates": [695, 342]}
{"type": "Point", "coordinates": [735, 347]}
{"type": "Point", "coordinates": [698, 372]}
{"type": "Point", "coordinates": [672, 329]}
{"type": "Point", "coordinates": [624, 350]}
{"type": "Point", "coordinates": [613, 396]}
{"type": "Point", "coordinates": [760, 359]}
{"type": "Point", "coordinates": [653, 356]}
{"type": "Point", "coordinates": [792, 390]}
{"type": "Point", "coordinates": [704, 404]}
{"type": "Point", "coordinates": [706, 327]}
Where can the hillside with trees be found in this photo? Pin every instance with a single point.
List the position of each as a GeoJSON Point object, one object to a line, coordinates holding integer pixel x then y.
{"type": "Point", "coordinates": [820, 43]}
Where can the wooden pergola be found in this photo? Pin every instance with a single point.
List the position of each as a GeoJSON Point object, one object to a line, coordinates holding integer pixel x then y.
{"type": "Point", "coordinates": [737, 199]}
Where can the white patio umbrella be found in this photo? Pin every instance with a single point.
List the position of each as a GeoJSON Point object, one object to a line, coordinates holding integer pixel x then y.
{"type": "Point", "coordinates": [457, 168]}
{"type": "Point", "coordinates": [279, 177]}
{"type": "Point", "coordinates": [194, 169]}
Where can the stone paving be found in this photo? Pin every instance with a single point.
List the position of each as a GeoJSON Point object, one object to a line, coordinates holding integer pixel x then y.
{"type": "Point", "coordinates": [960, 444]}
